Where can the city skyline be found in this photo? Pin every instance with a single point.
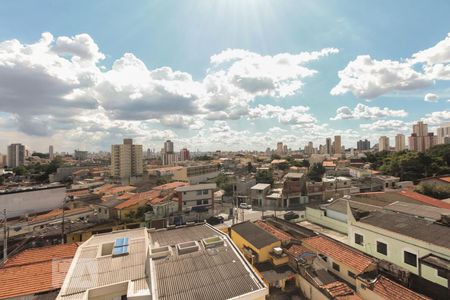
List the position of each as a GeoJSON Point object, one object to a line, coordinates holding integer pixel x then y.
{"type": "Point", "coordinates": [261, 80]}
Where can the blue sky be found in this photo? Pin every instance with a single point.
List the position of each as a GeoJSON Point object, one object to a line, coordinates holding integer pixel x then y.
{"type": "Point", "coordinates": [194, 110]}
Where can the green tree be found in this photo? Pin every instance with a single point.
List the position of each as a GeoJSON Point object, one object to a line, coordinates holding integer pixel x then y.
{"type": "Point", "coordinates": [264, 177]}
{"type": "Point", "coordinates": [316, 172]}
{"type": "Point", "coordinates": [250, 167]}
{"type": "Point", "coordinates": [225, 183]}
{"type": "Point", "coordinates": [275, 156]}
{"type": "Point", "coordinates": [20, 171]}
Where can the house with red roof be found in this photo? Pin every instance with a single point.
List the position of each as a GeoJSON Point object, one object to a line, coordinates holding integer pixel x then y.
{"type": "Point", "coordinates": [36, 273]}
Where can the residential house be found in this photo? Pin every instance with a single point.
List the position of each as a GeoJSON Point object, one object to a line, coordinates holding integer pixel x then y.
{"type": "Point", "coordinates": [195, 202]}
{"type": "Point", "coordinates": [36, 273]}
{"type": "Point", "coordinates": [144, 264]}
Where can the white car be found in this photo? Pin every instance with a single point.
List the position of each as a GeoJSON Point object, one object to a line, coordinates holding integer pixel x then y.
{"type": "Point", "coordinates": [245, 206]}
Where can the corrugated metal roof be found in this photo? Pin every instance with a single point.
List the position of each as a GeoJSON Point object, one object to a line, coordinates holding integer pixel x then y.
{"type": "Point", "coordinates": [216, 273]}
{"type": "Point", "coordinates": [89, 271]}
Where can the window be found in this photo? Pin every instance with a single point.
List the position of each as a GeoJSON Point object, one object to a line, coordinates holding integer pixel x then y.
{"type": "Point", "coordinates": [199, 202]}
{"type": "Point", "coordinates": [381, 248]}
{"type": "Point", "coordinates": [336, 267]}
{"type": "Point", "coordinates": [351, 274]}
{"type": "Point", "coordinates": [205, 201]}
{"type": "Point", "coordinates": [410, 258]}
{"type": "Point", "coordinates": [442, 273]}
{"type": "Point", "coordinates": [184, 202]}
{"type": "Point", "coordinates": [359, 239]}
{"type": "Point", "coordinates": [199, 192]}
{"type": "Point", "coordinates": [205, 192]}
{"type": "Point", "coordinates": [323, 257]}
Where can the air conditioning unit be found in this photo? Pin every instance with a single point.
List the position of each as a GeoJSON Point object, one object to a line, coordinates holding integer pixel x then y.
{"type": "Point", "coordinates": [278, 250]}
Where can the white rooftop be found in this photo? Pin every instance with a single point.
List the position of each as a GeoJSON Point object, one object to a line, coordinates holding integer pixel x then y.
{"type": "Point", "coordinates": [260, 186]}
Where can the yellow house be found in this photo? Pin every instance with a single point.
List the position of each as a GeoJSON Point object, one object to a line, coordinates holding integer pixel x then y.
{"type": "Point", "coordinates": [254, 242]}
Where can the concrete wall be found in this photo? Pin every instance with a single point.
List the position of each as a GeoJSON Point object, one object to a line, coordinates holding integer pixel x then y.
{"type": "Point", "coordinates": [310, 291]}
{"type": "Point", "coordinates": [396, 245]}
{"type": "Point", "coordinates": [317, 216]}
{"type": "Point", "coordinates": [32, 202]}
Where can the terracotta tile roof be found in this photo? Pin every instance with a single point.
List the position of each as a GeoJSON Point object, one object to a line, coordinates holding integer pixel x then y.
{"type": "Point", "coordinates": [79, 193]}
{"type": "Point", "coordinates": [389, 289]}
{"type": "Point", "coordinates": [104, 188]}
{"type": "Point", "coordinates": [296, 250]}
{"type": "Point", "coordinates": [328, 164]}
{"type": "Point", "coordinates": [57, 212]}
{"type": "Point", "coordinates": [138, 199]}
{"type": "Point", "coordinates": [338, 288]}
{"type": "Point", "coordinates": [171, 185]}
{"type": "Point", "coordinates": [279, 234]}
{"type": "Point", "coordinates": [121, 189]}
{"type": "Point", "coordinates": [42, 254]}
{"type": "Point", "coordinates": [446, 179]}
{"type": "Point", "coordinates": [126, 196]}
{"type": "Point", "coordinates": [339, 252]}
{"type": "Point", "coordinates": [36, 271]}
{"type": "Point", "coordinates": [425, 199]}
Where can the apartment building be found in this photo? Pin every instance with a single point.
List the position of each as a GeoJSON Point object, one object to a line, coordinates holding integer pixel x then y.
{"type": "Point", "coordinates": [383, 143]}
{"type": "Point", "coordinates": [400, 142]}
{"type": "Point", "coordinates": [194, 174]}
{"type": "Point", "coordinates": [16, 155]}
{"type": "Point", "coordinates": [443, 134]}
{"type": "Point", "coordinates": [421, 140]}
{"type": "Point", "coordinates": [126, 160]}
{"type": "Point", "coordinates": [196, 202]}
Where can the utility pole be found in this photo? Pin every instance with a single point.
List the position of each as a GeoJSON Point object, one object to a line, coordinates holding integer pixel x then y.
{"type": "Point", "coordinates": [62, 223]}
{"type": "Point", "coordinates": [5, 236]}
{"type": "Point", "coordinates": [233, 201]}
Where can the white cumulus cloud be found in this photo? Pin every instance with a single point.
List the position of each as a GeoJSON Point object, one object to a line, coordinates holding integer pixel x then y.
{"type": "Point", "coordinates": [430, 97]}
{"type": "Point", "coordinates": [362, 111]}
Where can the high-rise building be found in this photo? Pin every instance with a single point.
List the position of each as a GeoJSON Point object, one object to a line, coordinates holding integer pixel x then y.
{"type": "Point", "coordinates": [168, 146]}
{"type": "Point", "coordinates": [168, 156]}
{"type": "Point", "coordinates": [309, 149]}
{"type": "Point", "coordinates": [80, 155]}
{"type": "Point", "coordinates": [280, 148]}
{"type": "Point", "coordinates": [400, 142]}
{"type": "Point", "coordinates": [337, 144]}
{"type": "Point", "coordinates": [363, 145]}
{"type": "Point", "coordinates": [383, 143]}
{"type": "Point", "coordinates": [3, 160]}
{"type": "Point", "coordinates": [184, 154]}
{"type": "Point", "coordinates": [51, 155]}
{"type": "Point", "coordinates": [421, 140]}
{"type": "Point", "coordinates": [328, 149]}
{"type": "Point", "coordinates": [126, 160]}
{"type": "Point", "coordinates": [285, 149]}
{"type": "Point", "coordinates": [16, 155]}
{"type": "Point", "coordinates": [443, 132]}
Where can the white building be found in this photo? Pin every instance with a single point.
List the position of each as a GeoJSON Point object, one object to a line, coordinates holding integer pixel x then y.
{"type": "Point", "coordinates": [383, 143]}
{"type": "Point", "coordinates": [159, 264]}
{"type": "Point", "coordinates": [126, 160]}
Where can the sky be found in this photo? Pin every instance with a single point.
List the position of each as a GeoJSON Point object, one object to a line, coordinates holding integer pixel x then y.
{"type": "Point", "coordinates": [220, 75]}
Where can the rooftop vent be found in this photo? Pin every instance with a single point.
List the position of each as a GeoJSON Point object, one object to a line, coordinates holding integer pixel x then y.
{"type": "Point", "coordinates": [212, 242]}
{"type": "Point", "coordinates": [160, 252]}
{"type": "Point", "coordinates": [187, 247]}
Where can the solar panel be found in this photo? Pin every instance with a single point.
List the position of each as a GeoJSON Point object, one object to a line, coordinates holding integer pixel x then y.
{"type": "Point", "coordinates": [119, 242]}
{"type": "Point", "coordinates": [118, 251]}
{"type": "Point", "coordinates": [120, 246]}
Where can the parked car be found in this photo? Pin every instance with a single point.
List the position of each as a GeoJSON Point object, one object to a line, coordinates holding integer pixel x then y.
{"type": "Point", "coordinates": [245, 206]}
{"type": "Point", "coordinates": [215, 220]}
{"type": "Point", "coordinates": [290, 215]}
